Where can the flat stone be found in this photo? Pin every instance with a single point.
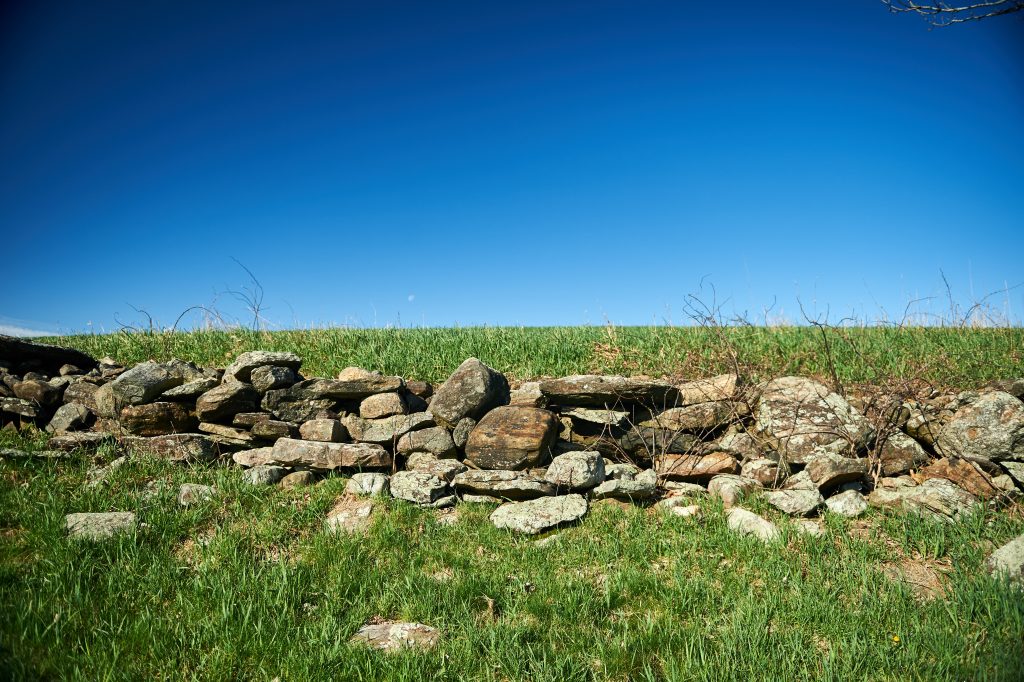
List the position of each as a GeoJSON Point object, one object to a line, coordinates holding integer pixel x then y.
{"type": "Point", "coordinates": [767, 472]}
{"type": "Point", "coordinates": [324, 430]}
{"type": "Point", "coordinates": [185, 448]}
{"type": "Point", "coordinates": [82, 392]}
{"type": "Point", "coordinates": [382, 405]}
{"type": "Point", "coordinates": [730, 488]}
{"type": "Point", "coordinates": [143, 383]}
{"type": "Point", "coordinates": [229, 434]}
{"type": "Point", "coordinates": [393, 637]}
{"type": "Point", "coordinates": [649, 443]}
{"type": "Point", "coordinates": [242, 368]}
{"type": "Point", "coordinates": [849, 503]}
{"type": "Point", "coordinates": [195, 493]}
{"type": "Point", "coordinates": [937, 498]}
{"type": "Point", "coordinates": [269, 377]}
{"type": "Point", "coordinates": [795, 502]}
{"type": "Point", "coordinates": [367, 485]}
{"type": "Point", "coordinates": [828, 469]}
{"type": "Point", "coordinates": [512, 438]}
{"type": "Point", "coordinates": [264, 474]}
{"type": "Point", "coordinates": [189, 392]}
{"type": "Point", "coordinates": [423, 489]}
{"type": "Point", "coordinates": [598, 416]}
{"type": "Point", "coordinates": [356, 389]}
{"type": "Point", "coordinates": [157, 419]}
{"type": "Point", "coordinates": [698, 418]}
{"type": "Point", "coordinates": [641, 487]}
{"type": "Point", "coordinates": [222, 403]}
{"type": "Point", "coordinates": [695, 467]}
{"type": "Point", "coordinates": [594, 390]}
{"type": "Point", "coordinates": [745, 522]}
{"type": "Point", "coordinates": [460, 435]}
{"type": "Point", "coordinates": [424, 462]}
{"type": "Point", "coordinates": [16, 453]}
{"type": "Point", "coordinates": [966, 475]}
{"type": "Point", "coordinates": [714, 389]}
{"type": "Point", "coordinates": [86, 440]}
{"type": "Point", "coordinates": [1008, 561]}
{"type": "Point", "coordinates": [350, 515]}
{"type": "Point", "coordinates": [272, 429]}
{"type": "Point", "coordinates": [508, 485]}
{"type": "Point", "coordinates": [471, 391]}
{"type": "Point", "coordinates": [388, 430]}
{"type": "Point", "coordinates": [535, 516]}
{"type": "Point", "coordinates": [69, 417]}
{"type": "Point", "coordinates": [39, 392]}
{"type": "Point", "coordinates": [99, 526]}
{"type": "Point", "coordinates": [433, 440]}
{"type": "Point", "coordinates": [19, 407]}
{"type": "Point", "coordinates": [253, 457]}
{"type": "Point", "coordinates": [323, 456]}
{"type": "Point", "coordinates": [579, 470]}
{"type": "Point", "coordinates": [247, 420]}
{"type": "Point", "coordinates": [528, 395]}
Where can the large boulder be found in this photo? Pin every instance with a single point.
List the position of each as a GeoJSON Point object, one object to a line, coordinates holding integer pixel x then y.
{"type": "Point", "coordinates": [325, 456]}
{"type": "Point", "coordinates": [607, 391]}
{"type": "Point", "coordinates": [225, 401]}
{"type": "Point", "coordinates": [507, 485]}
{"type": "Point", "coordinates": [471, 391]}
{"type": "Point", "coordinates": [799, 416]}
{"type": "Point", "coordinates": [536, 516]}
{"type": "Point", "coordinates": [987, 425]}
{"type": "Point", "coordinates": [512, 437]}
{"type": "Point", "coordinates": [241, 369]}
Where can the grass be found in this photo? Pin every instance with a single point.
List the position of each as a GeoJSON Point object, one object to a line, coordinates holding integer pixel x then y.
{"type": "Point", "coordinates": [948, 356]}
{"type": "Point", "coordinates": [249, 586]}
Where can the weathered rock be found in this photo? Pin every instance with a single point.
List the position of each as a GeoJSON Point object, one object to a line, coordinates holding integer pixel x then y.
{"type": "Point", "coordinates": [242, 368]}
{"type": "Point", "coordinates": [800, 416]}
{"type": "Point", "coordinates": [247, 420]}
{"type": "Point", "coordinates": [1008, 561]}
{"type": "Point", "coordinates": [695, 467]}
{"type": "Point", "coordinates": [988, 425]}
{"type": "Point", "coordinates": [157, 419]}
{"type": "Point", "coordinates": [225, 401]}
{"type": "Point", "coordinates": [143, 383]}
{"type": "Point", "coordinates": [325, 430]}
{"type": "Point", "coordinates": [1014, 387]}
{"type": "Point", "coordinates": [714, 389]}
{"type": "Point", "coordinates": [471, 391]}
{"type": "Point", "coordinates": [424, 462]}
{"type": "Point", "coordinates": [390, 636]}
{"type": "Point", "coordinates": [847, 503]}
{"type": "Point", "coordinates": [299, 403]}
{"type": "Point", "coordinates": [189, 392]}
{"type": "Point", "coordinates": [264, 474]}
{"type": "Point", "coordinates": [698, 418]}
{"type": "Point", "coordinates": [648, 444]}
{"type": "Point", "coordinates": [83, 393]}
{"type": "Point", "coordinates": [354, 389]}
{"type": "Point", "coordinates": [15, 453]}
{"type": "Point", "coordinates": [808, 527]}
{"type": "Point", "coordinates": [99, 526]}
{"type": "Point", "coordinates": [272, 429]}
{"type": "Point", "coordinates": [20, 408]}
{"type": "Point", "coordinates": [680, 506]}
{"type": "Point", "coordinates": [87, 440]}
{"type": "Point", "coordinates": [420, 389]}
{"type": "Point", "coordinates": [253, 457]}
{"type": "Point", "coordinates": [460, 436]}
{"type": "Point", "coordinates": [298, 479]}
{"type": "Point", "coordinates": [795, 502]}
{"type": "Point", "coordinates": [425, 490]}
{"type": "Point", "coordinates": [229, 434]}
{"type": "Point", "coordinates": [388, 430]}
{"type": "Point", "coordinates": [323, 456]}
{"type": "Point", "coordinates": [358, 374]}
{"type": "Point", "coordinates": [48, 358]}
{"type": "Point", "coordinates": [966, 475]}
{"type": "Point", "coordinates": [730, 488]}
{"type": "Point", "coordinates": [195, 493]}
{"type": "Point", "coordinates": [598, 416]}
{"type": "Point", "coordinates": [767, 472]}
{"type": "Point", "coordinates": [641, 487]}
{"type": "Point", "coordinates": [621, 470]}
{"type": "Point", "coordinates": [39, 392]}
{"type": "Point", "coordinates": [512, 438]}
{"type": "Point", "coordinates": [382, 405]}
{"type": "Point", "coordinates": [350, 515]}
{"type": "Point", "coordinates": [270, 377]}
{"type": "Point", "coordinates": [592, 390]}
{"type": "Point", "coordinates": [748, 523]}
{"type": "Point", "coordinates": [178, 447]}
{"type": "Point", "coordinates": [579, 470]}
{"type": "Point", "coordinates": [528, 395]}
{"type": "Point", "coordinates": [828, 469]}
{"type": "Point", "coordinates": [69, 417]}
{"type": "Point", "coordinates": [683, 489]}
{"type": "Point", "coordinates": [536, 516]}
{"type": "Point", "coordinates": [507, 485]}
{"type": "Point", "coordinates": [434, 440]}
{"type": "Point", "coordinates": [900, 453]}
{"type": "Point", "coordinates": [936, 497]}
{"type": "Point", "coordinates": [1015, 470]}
{"type": "Point", "coordinates": [367, 485]}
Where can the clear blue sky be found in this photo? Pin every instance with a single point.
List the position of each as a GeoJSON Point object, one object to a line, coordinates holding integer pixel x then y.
{"type": "Point", "coordinates": [544, 163]}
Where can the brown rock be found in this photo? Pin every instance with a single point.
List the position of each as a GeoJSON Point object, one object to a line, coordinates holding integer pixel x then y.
{"type": "Point", "coordinates": [322, 456]}
{"type": "Point", "coordinates": [512, 437]}
{"type": "Point", "coordinates": [967, 475]}
{"type": "Point", "coordinates": [382, 405]}
{"type": "Point", "coordinates": [272, 429]}
{"type": "Point", "coordinates": [325, 430]}
{"type": "Point", "coordinates": [695, 467]}
{"type": "Point", "coordinates": [157, 419]}
{"type": "Point", "coordinates": [178, 447]}
{"type": "Point", "coordinates": [606, 391]}
{"type": "Point", "coordinates": [227, 400]}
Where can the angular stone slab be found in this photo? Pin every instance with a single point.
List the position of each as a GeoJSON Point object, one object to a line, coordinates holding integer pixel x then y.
{"type": "Point", "coordinates": [99, 526]}
{"type": "Point", "coordinates": [507, 485]}
{"type": "Point", "coordinates": [595, 390]}
{"type": "Point", "coordinates": [241, 369]}
{"type": "Point", "coordinates": [537, 516]}
{"type": "Point", "coordinates": [698, 418]}
{"type": "Point", "coordinates": [323, 456]}
{"type": "Point", "coordinates": [471, 391]}
{"type": "Point", "coordinates": [393, 637]}
{"type": "Point", "coordinates": [178, 447]}
{"type": "Point", "coordinates": [696, 467]}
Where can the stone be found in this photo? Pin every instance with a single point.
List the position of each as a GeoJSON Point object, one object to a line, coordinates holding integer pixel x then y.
{"type": "Point", "coordinates": [730, 488]}
{"type": "Point", "coordinates": [323, 456]}
{"type": "Point", "coordinates": [421, 389]}
{"type": "Point", "coordinates": [425, 490]}
{"type": "Point", "coordinates": [800, 417]}
{"type": "Point", "coordinates": [355, 389]}
{"type": "Point", "coordinates": [767, 472]}
{"type": "Point", "coordinates": [69, 417]}
{"type": "Point", "coordinates": [189, 392]}
{"type": "Point", "coordinates": [143, 383]}
{"type": "Point", "coordinates": [424, 462]}
{"type": "Point", "coordinates": [900, 453]}
{"type": "Point", "coordinates": [795, 502]}
{"type": "Point", "coordinates": [512, 438]}
{"type": "Point", "coordinates": [598, 416]}
{"type": "Point", "coordinates": [298, 479]}
{"type": "Point", "coordinates": [86, 440]}
{"type": "Point", "coordinates": [1014, 387]}
{"type": "Point", "coordinates": [185, 448]}
{"type": "Point", "coordinates": [39, 392]}
{"type": "Point", "coordinates": [1015, 470]}
{"type": "Point", "coordinates": [740, 445]}
{"type": "Point", "coordinates": [157, 419]}
{"type": "Point", "coordinates": [325, 430]}
{"type": "Point", "coordinates": [367, 485]}
{"type": "Point", "coordinates": [964, 474]}
{"type": "Point", "coordinates": [390, 637]}
{"type": "Point", "coordinates": [382, 405]}
{"type": "Point", "coordinates": [592, 390]}
{"type": "Point", "coordinates": [388, 430]}
{"type": "Point", "coordinates": [247, 420]}
{"type": "Point", "coordinates": [272, 429]}
{"type": "Point", "coordinates": [575, 471]}
{"type": "Point", "coordinates": [472, 390]}
{"type": "Point", "coordinates": [937, 498]}
{"type": "Point", "coordinates": [195, 493]}
{"type": "Point", "coordinates": [849, 503]}
{"type": "Point", "coordinates": [15, 453]}
{"type": "Point", "coordinates": [536, 516]}
{"type": "Point", "coordinates": [1008, 561]}
{"type": "Point", "coordinates": [649, 444]}
{"type": "Point", "coordinates": [99, 526]}
{"type": "Point", "coordinates": [528, 395]}
{"type": "Point", "coordinates": [683, 489]}
{"type": "Point", "coordinates": [298, 403]}
{"type": "Point", "coordinates": [358, 374]}
{"type": "Point", "coordinates": [19, 407]}
{"type": "Point", "coordinates": [16, 351]}
{"type": "Point", "coordinates": [621, 470]}
{"type": "Point", "coordinates": [698, 418]}
{"type": "Point", "coordinates": [641, 487]}
{"type": "Point", "coordinates": [695, 467]}
{"type": "Point", "coordinates": [988, 425]}
{"type": "Point", "coordinates": [253, 457]}
{"type": "Point", "coordinates": [460, 435]}
{"type": "Point", "coordinates": [225, 401]}
{"type": "Point", "coordinates": [714, 389]}
{"type": "Point", "coordinates": [83, 393]}
{"type": "Point", "coordinates": [350, 515]}
{"type": "Point", "coordinates": [241, 369]}
{"type": "Point", "coordinates": [434, 440]}
{"type": "Point", "coordinates": [229, 434]}
{"type": "Point", "coordinates": [827, 469]}
{"type": "Point", "coordinates": [679, 506]}
{"type": "Point", "coordinates": [270, 377]}
{"type": "Point", "coordinates": [808, 527]}
{"type": "Point", "coordinates": [746, 522]}
{"type": "Point", "coordinates": [264, 474]}
{"type": "Point", "coordinates": [507, 485]}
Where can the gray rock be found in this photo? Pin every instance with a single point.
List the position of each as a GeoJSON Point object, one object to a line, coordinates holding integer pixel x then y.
{"type": "Point", "coordinates": [460, 436]}
{"type": "Point", "coordinates": [228, 435]}
{"type": "Point", "coordinates": [424, 462]}
{"type": "Point", "coordinates": [716, 389]}
{"type": "Point", "coordinates": [69, 417]}
{"type": "Point", "coordinates": [142, 384]}
{"type": "Point", "coordinates": [382, 405]}
{"type": "Point", "coordinates": [698, 418]}
{"type": "Point", "coordinates": [367, 485]}
{"type": "Point", "coordinates": [225, 401]}
{"type": "Point", "coordinates": [253, 457]}
{"type": "Point", "coordinates": [900, 453]}
{"type": "Point", "coordinates": [795, 502]}
{"type": "Point", "coordinates": [179, 447]}
{"type": "Point", "coordinates": [1008, 561]}
{"type": "Point", "coordinates": [641, 487]}
{"type": "Point", "coordinates": [936, 498]}
{"type": "Point", "coordinates": [298, 479]}
{"type": "Point", "coordinates": [745, 522]}
{"type": "Point", "coordinates": [388, 430]}
{"type": "Point", "coordinates": [1015, 470]}
{"type": "Point", "coordinates": [264, 474]}
{"type": "Point", "coordinates": [730, 488]}
{"type": "Point", "coordinates": [512, 438]}
{"type": "Point", "coordinates": [988, 425]}
{"type": "Point", "coordinates": [270, 377]}
{"type": "Point", "coordinates": [194, 493]}
{"type": "Point", "coordinates": [271, 429]}
{"type": "Point", "coordinates": [157, 419]}
{"type": "Point", "coordinates": [323, 456]}
{"type": "Point", "coordinates": [528, 395]}
{"type": "Point", "coordinates": [592, 390]}
{"type": "Point", "coordinates": [325, 430]}
{"type": "Point", "coordinates": [82, 392]}
{"type": "Point", "coordinates": [15, 453]}
{"type": "Point", "coordinates": [354, 389]}
{"type": "Point", "coordinates": [471, 391]}
{"type": "Point", "coordinates": [20, 408]}
{"type": "Point", "coordinates": [767, 472]}
{"type": "Point", "coordinates": [598, 416]}
{"type": "Point", "coordinates": [680, 506]}
{"type": "Point", "coordinates": [189, 392]}
{"type": "Point", "coordinates": [621, 470]}
{"type": "Point", "coordinates": [849, 503]}
{"type": "Point", "coordinates": [99, 526]}
{"type": "Point", "coordinates": [536, 516]}
{"type": "Point", "coordinates": [350, 515]}
{"type": "Point", "coordinates": [683, 489]}
{"type": "Point", "coordinates": [242, 368]}
{"type": "Point", "coordinates": [576, 470]}
{"type": "Point", "coordinates": [434, 440]}
{"type": "Point", "coordinates": [86, 440]}
{"type": "Point", "coordinates": [828, 469]}
{"type": "Point", "coordinates": [392, 637]}
{"type": "Point", "coordinates": [425, 490]}
{"type": "Point", "coordinates": [508, 485]}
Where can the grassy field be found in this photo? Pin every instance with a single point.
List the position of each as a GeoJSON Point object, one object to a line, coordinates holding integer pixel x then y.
{"type": "Point", "coordinates": [249, 586]}
{"type": "Point", "coordinates": [956, 357]}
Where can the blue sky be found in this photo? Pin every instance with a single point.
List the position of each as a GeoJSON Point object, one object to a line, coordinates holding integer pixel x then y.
{"type": "Point", "coordinates": [504, 163]}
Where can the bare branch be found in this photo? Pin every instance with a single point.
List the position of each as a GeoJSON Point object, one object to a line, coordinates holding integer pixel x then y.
{"type": "Point", "coordinates": [943, 14]}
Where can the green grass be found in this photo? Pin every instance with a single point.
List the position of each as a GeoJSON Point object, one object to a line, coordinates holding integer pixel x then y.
{"type": "Point", "coordinates": [955, 357]}
{"type": "Point", "coordinates": [628, 594]}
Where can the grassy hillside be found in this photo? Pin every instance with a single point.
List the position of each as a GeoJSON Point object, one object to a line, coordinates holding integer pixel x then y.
{"type": "Point", "coordinates": [956, 357]}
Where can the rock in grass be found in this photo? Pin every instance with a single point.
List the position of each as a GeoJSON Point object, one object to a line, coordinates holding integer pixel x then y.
{"type": "Point", "coordinates": [194, 493]}
{"type": "Point", "coordinates": [507, 485]}
{"type": "Point", "coordinates": [988, 425]}
{"type": "Point", "coordinates": [264, 474]}
{"type": "Point", "coordinates": [471, 391]}
{"type": "Point", "coordinates": [99, 526]}
{"type": "Point", "coordinates": [536, 516]}
{"type": "Point", "coordinates": [350, 515]}
{"type": "Point", "coordinates": [767, 472]}
{"type": "Point", "coordinates": [795, 502]}
{"type": "Point", "coordinates": [423, 489]}
{"type": "Point", "coordinates": [69, 417]}
{"type": "Point", "coordinates": [828, 469]}
{"type": "Point", "coordinates": [1008, 561]}
{"type": "Point", "coordinates": [88, 440]}
{"type": "Point", "coordinates": [640, 487]}
{"type": "Point", "coordinates": [298, 479]}
{"type": "Point", "coordinates": [424, 462]}
{"type": "Point", "coordinates": [849, 503]}
{"type": "Point", "coordinates": [241, 369]}
{"type": "Point", "coordinates": [367, 485]}
{"type": "Point", "coordinates": [748, 523]}
{"type": "Point", "coordinates": [178, 447]}
{"type": "Point", "coordinates": [389, 636]}
{"type": "Point", "coordinates": [730, 488]}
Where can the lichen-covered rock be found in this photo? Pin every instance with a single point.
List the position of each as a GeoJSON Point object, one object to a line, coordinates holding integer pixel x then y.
{"type": "Point", "coordinates": [698, 418]}
{"type": "Point", "coordinates": [325, 430]}
{"type": "Point", "coordinates": [471, 391]}
{"type": "Point", "coordinates": [936, 497]}
{"type": "Point", "coordinates": [69, 417]}
{"type": "Point", "coordinates": [966, 475]}
{"type": "Point", "coordinates": [324, 456]}
{"type": "Point", "coordinates": [767, 472]}
{"type": "Point", "coordinates": [695, 467]}
{"type": "Point", "coordinates": [228, 435]}
{"type": "Point", "coordinates": [598, 416]}
{"type": "Point", "coordinates": [731, 489]}
{"type": "Point", "coordinates": [194, 493]}
{"type": "Point", "coordinates": [382, 405]}
{"type": "Point", "coordinates": [900, 453]}
{"type": "Point", "coordinates": [423, 489]}
{"type": "Point", "coordinates": [189, 392]}
{"type": "Point", "coordinates": [512, 438]}
{"type": "Point", "coordinates": [264, 474]}
{"type": "Point", "coordinates": [718, 388]}
{"type": "Point", "coordinates": [746, 522]}
{"type": "Point", "coordinates": [350, 515]}
{"type": "Point", "coordinates": [578, 470]}
{"type": "Point", "coordinates": [241, 369]}
{"type": "Point", "coordinates": [424, 462]}
{"type": "Point", "coordinates": [433, 440]}
{"type": "Point", "coordinates": [460, 435]}
{"type": "Point", "coordinates": [795, 502]}
{"type": "Point", "coordinates": [222, 403]}
{"type": "Point", "coordinates": [143, 383]}
{"type": "Point", "coordinates": [827, 469]}
{"type": "Point", "coordinates": [270, 377]}
{"type": "Point", "coordinates": [849, 503]}
{"type": "Point", "coordinates": [298, 479]}
{"type": "Point", "coordinates": [535, 516]}
{"type": "Point", "coordinates": [391, 636]}
{"type": "Point", "coordinates": [987, 425]}
{"type": "Point", "coordinates": [801, 416]}
{"type": "Point", "coordinates": [253, 457]}
{"type": "Point", "coordinates": [39, 392]}
{"type": "Point", "coordinates": [593, 390]}
{"type": "Point", "coordinates": [185, 448]}
{"type": "Point", "coordinates": [1008, 561]}
{"type": "Point", "coordinates": [99, 526]}
{"type": "Point", "coordinates": [642, 486]}
{"type": "Point", "coordinates": [507, 485]}
{"type": "Point", "coordinates": [367, 485]}
{"type": "Point", "coordinates": [157, 419]}
{"type": "Point", "coordinates": [388, 430]}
